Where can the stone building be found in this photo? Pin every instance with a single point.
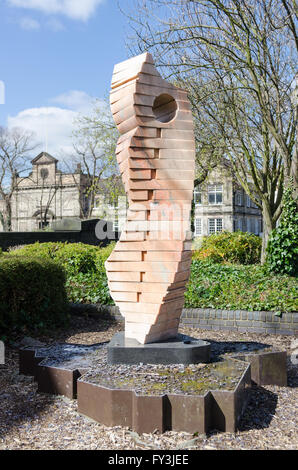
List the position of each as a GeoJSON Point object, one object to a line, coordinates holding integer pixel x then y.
{"type": "Point", "coordinates": [46, 194]}
{"type": "Point", "coordinates": [222, 205]}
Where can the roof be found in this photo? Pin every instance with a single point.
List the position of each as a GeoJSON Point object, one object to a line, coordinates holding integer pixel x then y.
{"type": "Point", "coordinates": [43, 158]}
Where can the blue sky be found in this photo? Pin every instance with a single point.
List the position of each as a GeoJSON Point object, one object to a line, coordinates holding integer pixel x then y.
{"type": "Point", "coordinates": [56, 55]}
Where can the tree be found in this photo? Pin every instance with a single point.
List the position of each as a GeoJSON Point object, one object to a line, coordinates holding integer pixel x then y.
{"type": "Point", "coordinates": [46, 198]}
{"type": "Point", "coordinates": [95, 139]}
{"type": "Point", "coordinates": [15, 145]}
{"type": "Point", "coordinates": [237, 58]}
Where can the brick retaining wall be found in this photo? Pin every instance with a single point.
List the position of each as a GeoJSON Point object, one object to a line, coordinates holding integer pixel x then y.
{"type": "Point", "coordinates": [210, 319]}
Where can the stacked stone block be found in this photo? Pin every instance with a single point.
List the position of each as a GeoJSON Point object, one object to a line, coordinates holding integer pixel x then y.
{"type": "Point", "coordinates": [150, 265]}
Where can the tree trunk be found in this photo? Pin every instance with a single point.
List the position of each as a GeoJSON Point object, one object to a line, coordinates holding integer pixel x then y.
{"type": "Point", "coordinates": [2, 220]}
{"type": "Point", "coordinates": [8, 227]}
{"type": "Point", "coordinates": [268, 226]}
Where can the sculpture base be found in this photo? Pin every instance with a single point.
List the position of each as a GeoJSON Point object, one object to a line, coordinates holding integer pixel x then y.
{"type": "Point", "coordinates": [179, 350]}
{"type": "Point", "coordinates": [197, 398]}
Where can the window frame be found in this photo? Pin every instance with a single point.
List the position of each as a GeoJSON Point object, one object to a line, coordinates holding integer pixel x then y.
{"type": "Point", "coordinates": [216, 220]}
{"type": "Point", "coordinates": [198, 219]}
{"type": "Point", "coordinates": [213, 190]}
{"type": "Point", "coordinates": [239, 198]}
{"type": "Point", "coordinates": [198, 192]}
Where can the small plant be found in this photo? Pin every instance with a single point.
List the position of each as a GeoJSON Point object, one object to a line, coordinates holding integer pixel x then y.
{"type": "Point", "coordinates": [282, 250]}
{"type": "Point", "coordinates": [236, 247]}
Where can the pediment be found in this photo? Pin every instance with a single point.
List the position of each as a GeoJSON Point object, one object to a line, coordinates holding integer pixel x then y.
{"type": "Point", "coordinates": [43, 158]}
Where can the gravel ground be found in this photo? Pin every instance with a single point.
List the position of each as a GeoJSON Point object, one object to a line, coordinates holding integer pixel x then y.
{"type": "Point", "coordinates": [38, 421]}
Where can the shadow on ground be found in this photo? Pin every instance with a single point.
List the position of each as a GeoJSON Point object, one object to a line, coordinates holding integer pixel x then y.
{"type": "Point", "coordinates": [260, 409]}
{"type": "Point", "coordinates": [20, 403]}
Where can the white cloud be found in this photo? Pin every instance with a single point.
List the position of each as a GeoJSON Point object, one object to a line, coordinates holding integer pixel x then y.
{"type": "Point", "coordinates": [2, 92]}
{"type": "Point", "coordinates": [76, 100]}
{"type": "Point", "coordinates": [53, 126]}
{"type": "Point", "coordinates": [74, 9]}
{"type": "Point", "coordinates": [55, 25]}
{"type": "Point", "coordinates": [29, 24]}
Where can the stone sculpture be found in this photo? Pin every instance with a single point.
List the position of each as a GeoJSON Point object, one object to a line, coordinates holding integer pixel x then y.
{"type": "Point", "coordinates": [150, 265]}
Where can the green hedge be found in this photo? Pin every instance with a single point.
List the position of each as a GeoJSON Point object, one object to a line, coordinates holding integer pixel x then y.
{"type": "Point", "coordinates": [74, 257]}
{"type": "Point", "coordinates": [236, 247]}
{"type": "Point", "coordinates": [84, 266]}
{"type": "Point", "coordinates": [212, 285]}
{"type": "Point", "coordinates": [32, 294]}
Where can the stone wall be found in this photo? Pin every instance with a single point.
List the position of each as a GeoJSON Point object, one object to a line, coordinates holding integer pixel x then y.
{"type": "Point", "coordinates": [241, 320]}
{"type": "Point", "coordinates": [210, 319]}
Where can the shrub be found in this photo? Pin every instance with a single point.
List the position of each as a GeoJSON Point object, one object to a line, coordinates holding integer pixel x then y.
{"type": "Point", "coordinates": [235, 287]}
{"type": "Point", "coordinates": [282, 250]}
{"type": "Point", "coordinates": [32, 293]}
{"type": "Point", "coordinates": [74, 257]}
{"type": "Point", "coordinates": [84, 266]}
{"type": "Point", "coordinates": [211, 285]}
{"type": "Point", "coordinates": [236, 247]}
{"type": "Point", "coordinates": [92, 287]}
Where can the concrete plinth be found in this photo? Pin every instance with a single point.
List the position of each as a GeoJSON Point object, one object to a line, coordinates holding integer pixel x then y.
{"type": "Point", "coordinates": [180, 350]}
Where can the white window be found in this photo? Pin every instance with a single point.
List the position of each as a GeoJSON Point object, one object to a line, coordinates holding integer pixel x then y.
{"type": "Point", "coordinates": [248, 201]}
{"type": "Point", "coordinates": [214, 226]}
{"type": "Point", "coordinates": [198, 227]}
{"type": "Point", "coordinates": [198, 196]}
{"type": "Point", "coordinates": [115, 225]}
{"type": "Point", "coordinates": [215, 194]}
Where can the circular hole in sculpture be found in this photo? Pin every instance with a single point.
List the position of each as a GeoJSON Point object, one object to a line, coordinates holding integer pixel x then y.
{"type": "Point", "coordinates": [164, 108]}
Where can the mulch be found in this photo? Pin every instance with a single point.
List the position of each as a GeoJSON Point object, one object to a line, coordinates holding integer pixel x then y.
{"type": "Point", "coordinates": [29, 420]}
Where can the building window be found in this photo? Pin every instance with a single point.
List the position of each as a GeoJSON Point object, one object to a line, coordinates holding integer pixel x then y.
{"type": "Point", "coordinates": [198, 227]}
{"type": "Point", "coordinates": [44, 173]}
{"type": "Point", "coordinates": [215, 194]}
{"type": "Point", "coordinates": [116, 225]}
{"type": "Point", "coordinates": [253, 225]}
{"type": "Point", "coordinates": [198, 196]}
{"type": "Point", "coordinates": [260, 226]}
{"type": "Point", "coordinates": [214, 226]}
{"type": "Point", "coordinates": [239, 199]}
{"type": "Point", "coordinates": [43, 225]}
{"type": "Point", "coordinates": [248, 201]}
{"type": "Point", "coordinates": [239, 224]}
